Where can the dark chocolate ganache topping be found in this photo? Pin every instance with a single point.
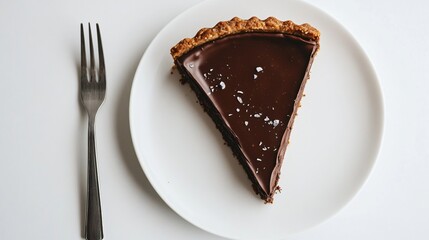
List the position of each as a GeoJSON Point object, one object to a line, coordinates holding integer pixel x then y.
{"type": "Point", "coordinates": [253, 81]}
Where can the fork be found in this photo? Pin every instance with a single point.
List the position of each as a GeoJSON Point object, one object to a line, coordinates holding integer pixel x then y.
{"type": "Point", "coordinates": [92, 95]}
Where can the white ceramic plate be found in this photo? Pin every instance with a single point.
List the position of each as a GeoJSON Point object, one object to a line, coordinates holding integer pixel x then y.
{"type": "Point", "coordinates": [333, 147]}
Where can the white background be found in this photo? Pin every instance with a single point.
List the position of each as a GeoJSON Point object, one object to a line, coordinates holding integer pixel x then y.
{"type": "Point", "coordinates": [43, 127]}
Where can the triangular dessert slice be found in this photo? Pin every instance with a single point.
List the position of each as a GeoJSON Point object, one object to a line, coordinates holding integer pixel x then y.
{"type": "Point", "coordinates": [249, 76]}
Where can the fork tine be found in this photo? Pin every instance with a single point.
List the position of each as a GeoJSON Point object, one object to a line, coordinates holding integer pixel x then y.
{"type": "Point", "coordinates": [83, 71]}
{"type": "Point", "coordinates": [92, 61]}
{"type": "Point", "coordinates": [102, 70]}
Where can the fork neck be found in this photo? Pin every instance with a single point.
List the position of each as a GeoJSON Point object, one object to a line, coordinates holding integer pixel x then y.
{"type": "Point", "coordinates": [91, 121]}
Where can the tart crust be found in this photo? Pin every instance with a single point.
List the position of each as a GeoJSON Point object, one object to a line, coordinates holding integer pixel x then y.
{"type": "Point", "coordinates": [238, 25]}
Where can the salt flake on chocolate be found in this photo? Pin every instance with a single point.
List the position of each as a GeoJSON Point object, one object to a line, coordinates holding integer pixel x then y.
{"type": "Point", "coordinates": [276, 122]}
{"type": "Point", "coordinates": [222, 85]}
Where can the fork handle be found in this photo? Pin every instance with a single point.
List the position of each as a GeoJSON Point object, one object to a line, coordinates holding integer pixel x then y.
{"type": "Point", "coordinates": [94, 226]}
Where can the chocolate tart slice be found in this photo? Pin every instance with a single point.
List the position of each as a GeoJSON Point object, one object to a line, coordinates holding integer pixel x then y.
{"type": "Point", "coordinates": [249, 75]}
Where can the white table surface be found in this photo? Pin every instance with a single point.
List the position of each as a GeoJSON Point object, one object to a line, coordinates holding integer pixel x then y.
{"type": "Point", "coordinates": [43, 127]}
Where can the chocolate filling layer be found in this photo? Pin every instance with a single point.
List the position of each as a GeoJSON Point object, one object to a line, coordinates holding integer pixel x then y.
{"type": "Point", "coordinates": [251, 84]}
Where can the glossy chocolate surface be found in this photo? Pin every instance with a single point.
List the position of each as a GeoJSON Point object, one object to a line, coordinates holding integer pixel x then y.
{"type": "Point", "coordinates": [253, 81]}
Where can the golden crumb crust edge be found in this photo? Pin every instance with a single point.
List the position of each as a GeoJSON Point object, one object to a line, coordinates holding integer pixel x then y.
{"type": "Point", "coordinates": [238, 25]}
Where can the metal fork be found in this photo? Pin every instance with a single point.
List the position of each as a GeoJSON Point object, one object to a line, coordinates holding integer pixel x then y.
{"type": "Point", "coordinates": [92, 96]}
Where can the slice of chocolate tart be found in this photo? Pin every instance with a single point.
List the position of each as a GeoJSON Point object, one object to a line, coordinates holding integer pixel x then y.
{"type": "Point", "coordinates": [249, 75]}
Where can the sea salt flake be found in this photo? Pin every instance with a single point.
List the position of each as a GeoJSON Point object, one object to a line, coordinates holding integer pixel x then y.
{"type": "Point", "coordinates": [239, 100]}
{"type": "Point", "coordinates": [259, 69]}
{"type": "Point", "coordinates": [264, 149]}
{"type": "Point", "coordinates": [258, 159]}
{"type": "Point", "coordinates": [238, 109]}
{"type": "Point", "coordinates": [276, 122]}
{"type": "Point", "coordinates": [255, 76]}
{"type": "Point", "coordinates": [241, 92]}
{"type": "Point", "coordinates": [266, 119]}
{"type": "Point", "coordinates": [211, 69]}
{"type": "Point", "coordinates": [229, 115]}
{"type": "Point", "coordinates": [260, 143]}
{"type": "Point", "coordinates": [222, 85]}
{"type": "Point", "coordinates": [257, 115]}
{"type": "Point", "coordinates": [257, 170]}
{"type": "Point", "coordinates": [246, 123]}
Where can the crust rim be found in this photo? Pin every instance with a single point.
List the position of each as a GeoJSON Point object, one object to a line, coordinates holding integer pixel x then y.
{"type": "Point", "coordinates": [238, 25]}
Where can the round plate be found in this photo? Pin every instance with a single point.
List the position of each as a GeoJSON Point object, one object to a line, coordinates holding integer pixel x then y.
{"type": "Point", "coordinates": [333, 147]}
